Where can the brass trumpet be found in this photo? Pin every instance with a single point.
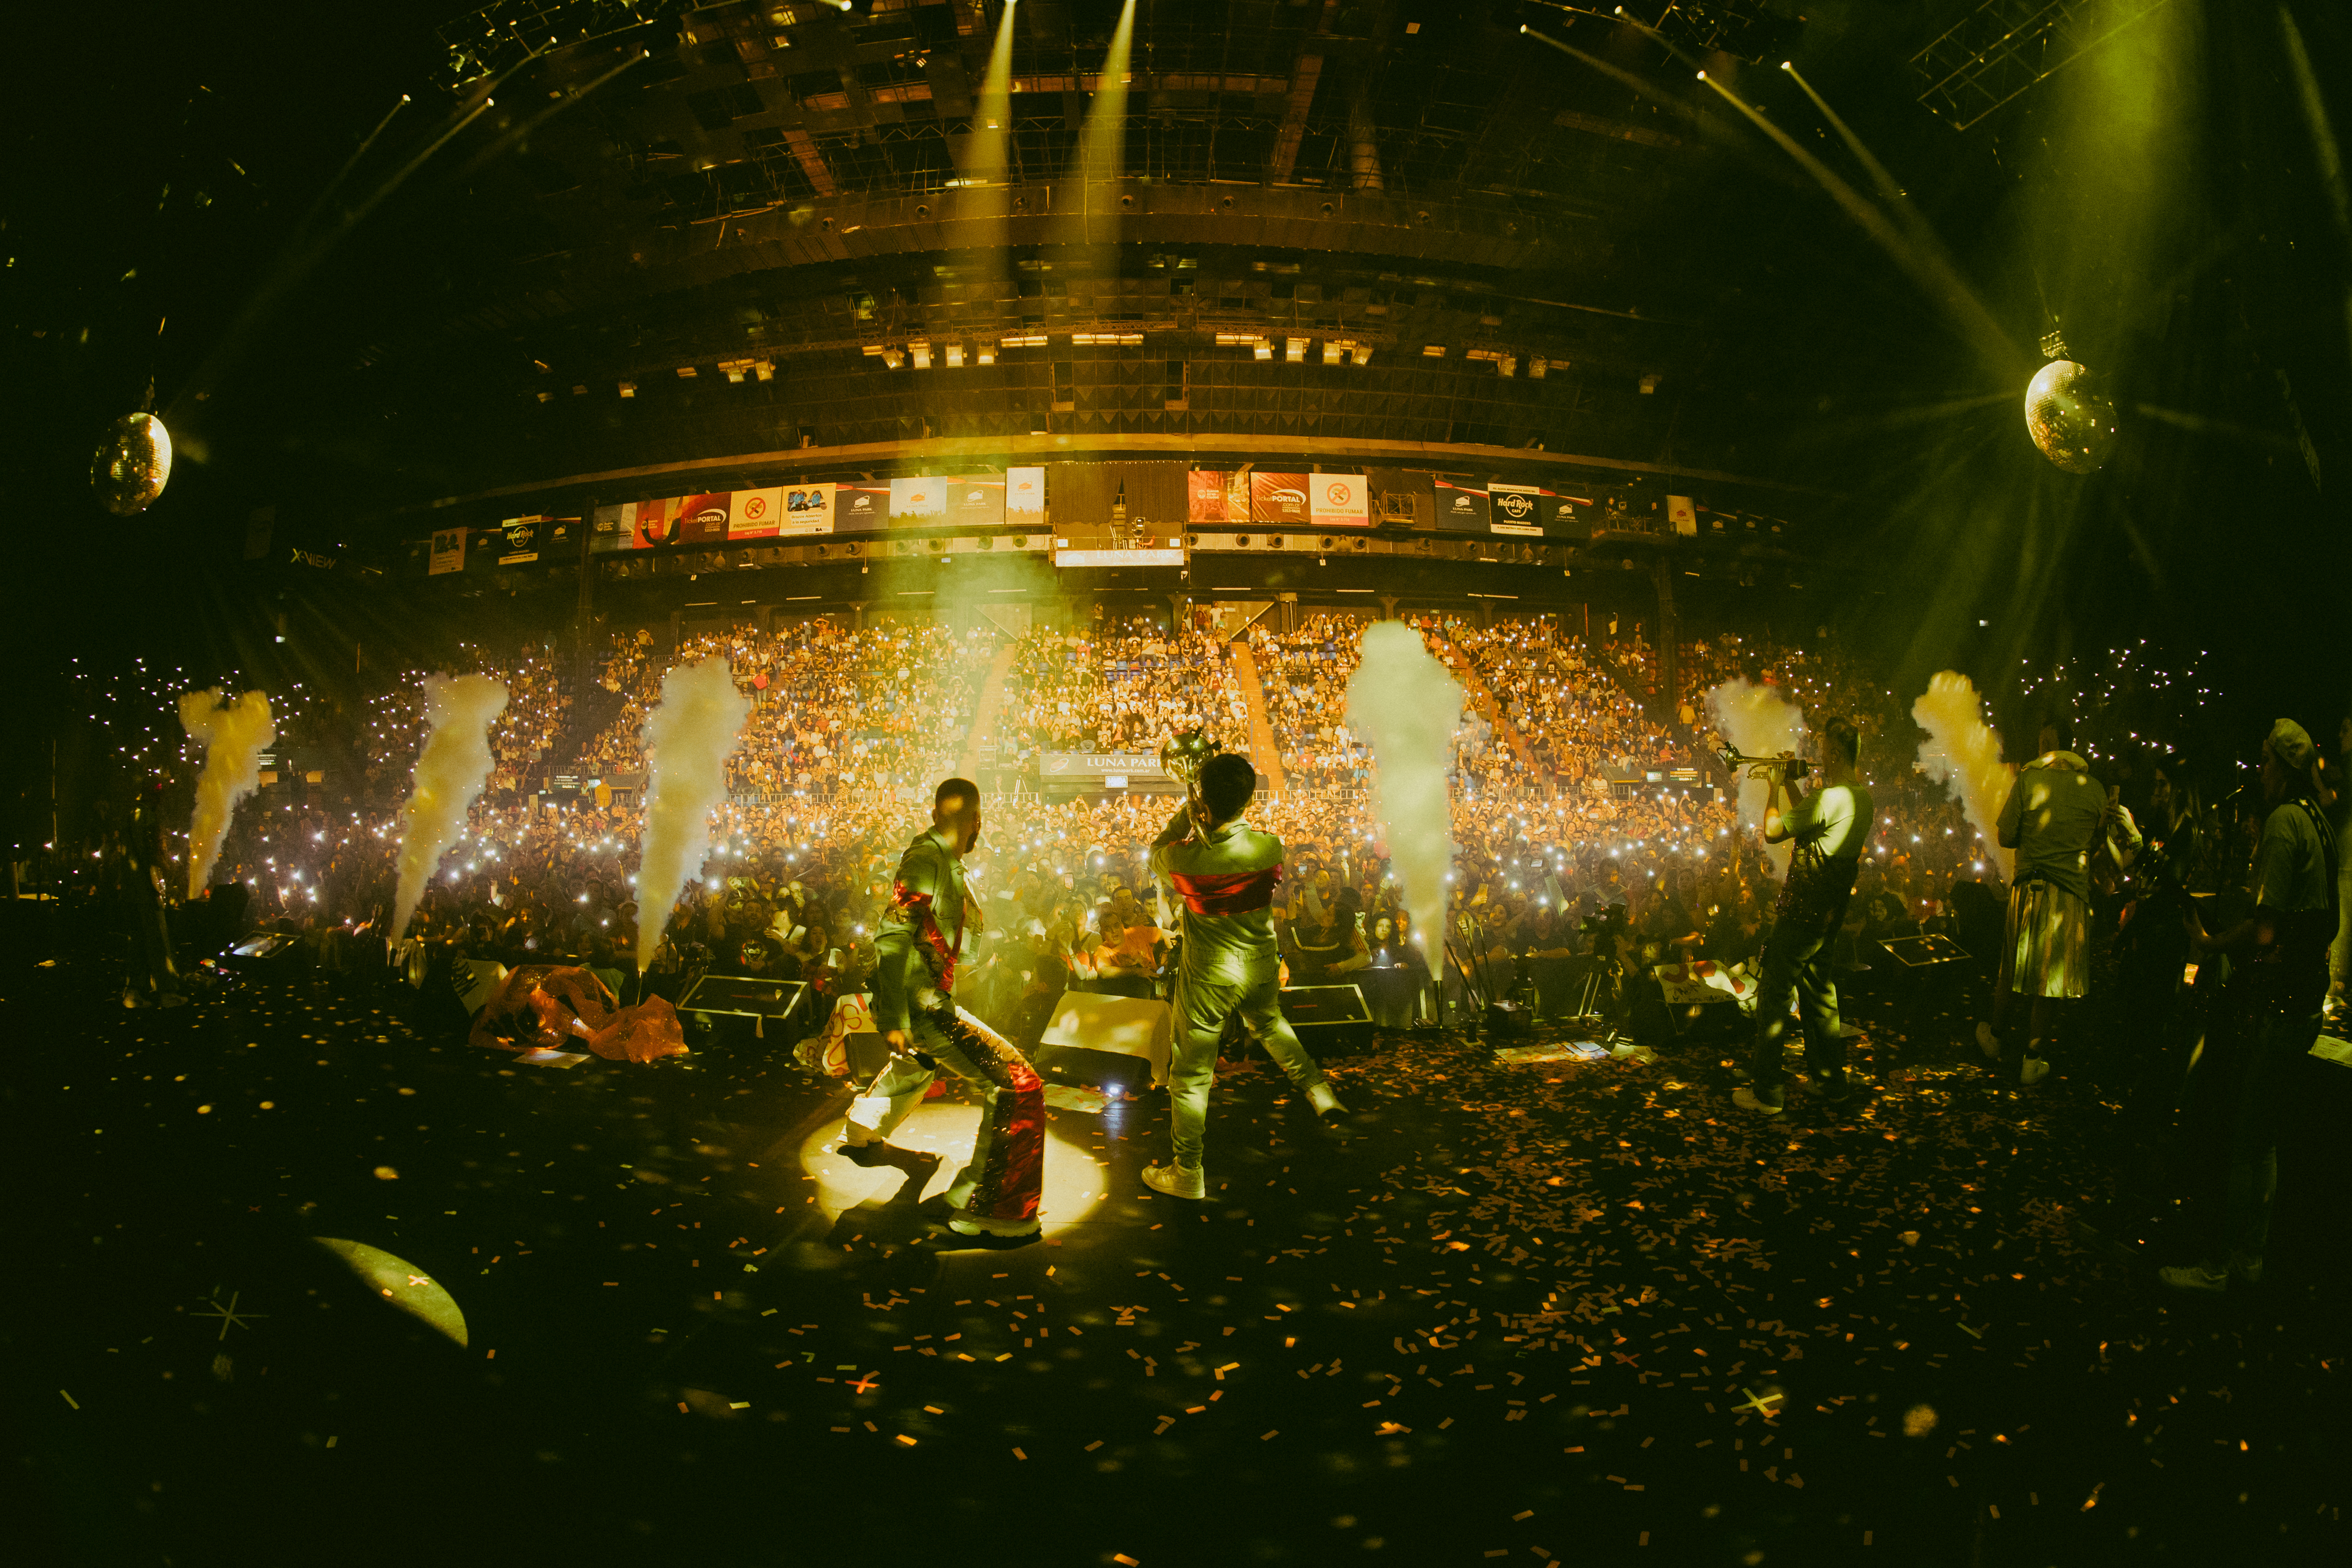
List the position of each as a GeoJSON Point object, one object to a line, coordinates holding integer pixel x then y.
{"type": "Point", "coordinates": [1182, 754]}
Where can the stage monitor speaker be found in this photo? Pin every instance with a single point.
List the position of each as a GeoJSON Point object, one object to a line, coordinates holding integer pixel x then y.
{"type": "Point", "coordinates": [744, 995]}
{"type": "Point", "coordinates": [1120, 1026]}
{"type": "Point", "coordinates": [1329, 1020]}
{"type": "Point", "coordinates": [1924, 952]}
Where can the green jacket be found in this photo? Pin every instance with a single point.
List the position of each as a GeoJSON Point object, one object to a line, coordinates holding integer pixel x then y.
{"type": "Point", "coordinates": [921, 933]}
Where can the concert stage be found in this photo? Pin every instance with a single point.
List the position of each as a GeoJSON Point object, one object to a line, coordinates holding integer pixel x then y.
{"type": "Point", "coordinates": [1583, 1312]}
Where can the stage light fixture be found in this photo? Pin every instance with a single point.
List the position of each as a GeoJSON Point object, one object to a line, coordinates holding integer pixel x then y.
{"type": "Point", "coordinates": [955, 356]}
{"type": "Point", "coordinates": [1361, 355]}
{"type": "Point", "coordinates": [985, 351]}
{"type": "Point", "coordinates": [1294, 350]}
{"type": "Point", "coordinates": [1262, 348]}
{"type": "Point", "coordinates": [919, 351]}
{"type": "Point", "coordinates": [1537, 365]}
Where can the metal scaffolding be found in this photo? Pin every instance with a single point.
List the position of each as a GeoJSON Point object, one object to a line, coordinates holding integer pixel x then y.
{"type": "Point", "coordinates": [2004, 47]}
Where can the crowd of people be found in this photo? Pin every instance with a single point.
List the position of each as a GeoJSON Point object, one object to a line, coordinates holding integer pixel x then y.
{"type": "Point", "coordinates": [1119, 687]}
{"type": "Point", "coordinates": [850, 725]}
{"type": "Point", "coordinates": [1591, 834]}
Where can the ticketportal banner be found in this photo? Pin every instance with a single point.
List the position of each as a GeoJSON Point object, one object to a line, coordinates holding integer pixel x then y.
{"type": "Point", "coordinates": [1279, 498]}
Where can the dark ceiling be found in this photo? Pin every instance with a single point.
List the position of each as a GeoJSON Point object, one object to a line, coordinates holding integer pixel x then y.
{"type": "Point", "coordinates": [349, 305]}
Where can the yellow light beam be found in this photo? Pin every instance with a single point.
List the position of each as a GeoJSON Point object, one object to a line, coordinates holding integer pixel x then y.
{"type": "Point", "coordinates": [1934, 276]}
{"type": "Point", "coordinates": [2323, 137]}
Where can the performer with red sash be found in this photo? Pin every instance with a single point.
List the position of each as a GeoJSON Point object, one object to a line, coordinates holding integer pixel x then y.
{"type": "Point", "coordinates": [914, 985]}
{"type": "Point", "coordinates": [1225, 871]}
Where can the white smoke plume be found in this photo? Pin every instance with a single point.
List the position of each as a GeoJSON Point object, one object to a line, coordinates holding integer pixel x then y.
{"type": "Point", "coordinates": [450, 772]}
{"type": "Point", "coordinates": [1403, 703]}
{"type": "Point", "coordinates": [1759, 721]}
{"type": "Point", "coordinates": [1963, 752]}
{"type": "Point", "coordinates": [235, 735]}
{"type": "Point", "coordinates": [687, 739]}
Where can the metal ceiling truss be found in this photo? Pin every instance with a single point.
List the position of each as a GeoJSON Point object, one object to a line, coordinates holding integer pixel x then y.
{"type": "Point", "coordinates": [2005, 46]}
{"type": "Point", "coordinates": [497, 38]}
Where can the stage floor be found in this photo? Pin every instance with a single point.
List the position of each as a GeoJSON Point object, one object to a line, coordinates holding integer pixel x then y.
{"type": "Point", "coordinates": [1589, 1313]}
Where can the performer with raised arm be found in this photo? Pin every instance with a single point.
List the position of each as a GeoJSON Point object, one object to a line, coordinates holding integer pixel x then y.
{"type": "Point", "coordinates": [914, 986]}
{"type": "Point", "coordinates": [1224, 872]}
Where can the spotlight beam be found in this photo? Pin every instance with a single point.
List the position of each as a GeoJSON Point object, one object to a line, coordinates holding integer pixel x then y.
{"type": "Point", "coordinates": [1647, 89]}
{"type": "Point", "coordinates": [294, 264]}
{"type": "Point", "coordinates": [520, 133]}
{"type": "Point", "coordinates": [1934, 276]}
{"type": "Point", "coordinates": [2323, 138]}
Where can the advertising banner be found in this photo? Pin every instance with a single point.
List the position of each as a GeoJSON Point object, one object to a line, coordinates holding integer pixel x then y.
{"type": "Point", "coordinates": [755, 513]}
{"type": "Point", "coordinates": [1204, 496]}
{"type": "Point", "coordinates": [808, 509]}
{"type": "Point", "coordinates": [702, 519]}
{"type": "Point", "coordinates": [1024, 497]}
{"type": "Point", "coordinates": [1517, 508]}
{"type": "Point", "coordinates": [975, 500]}
{"type": "Point", "coordinates": [1460, 508]}
{"type": "Point", "coordinates": [1338, 500]}
{"type": "Point", "coordinates": [614, 527]}
{"type": "Point", "coordinates": [656, 523]}
{"type": "Point", "coordinates": [860, 506]}
{"type": "Point", "coordinates": [1570, 517]}
{"type": "Point", "coordinates": [448, 551]}
{"type": "Point", "coordinates": [1279, 498]}
{"type": "Point", "coordinates": [920, 502]}
{"type": "Point", "coordinates": [1095, 764]}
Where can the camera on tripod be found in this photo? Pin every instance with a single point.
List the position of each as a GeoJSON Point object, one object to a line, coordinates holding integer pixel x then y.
{"type": "Point", "coordinates": [1787, 769]}
{"type": "Point", "coordinates": [1605, 926]}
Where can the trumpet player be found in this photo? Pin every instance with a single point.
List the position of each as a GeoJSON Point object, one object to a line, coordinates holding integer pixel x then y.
{"type": "Point", "coordinates": [1831, 827]}
{"type": "Point", "coordinates": [1224, 870]}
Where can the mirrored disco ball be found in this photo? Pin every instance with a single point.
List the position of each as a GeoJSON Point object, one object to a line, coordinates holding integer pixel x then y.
{"type": "Point", "coordinates": [133, 464]}
{"type": "Point", "coordinates": [2074, 426]}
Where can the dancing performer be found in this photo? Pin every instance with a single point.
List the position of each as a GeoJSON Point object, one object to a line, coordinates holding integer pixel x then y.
{"type": "Point", "coordinates": [1224, 870]}
{"type": "Point", "coordinates": [914, 988]}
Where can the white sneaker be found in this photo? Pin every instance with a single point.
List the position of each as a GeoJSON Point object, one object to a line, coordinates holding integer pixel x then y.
{"type": "Point", "coordinates": [2196, 1277]}
{"type": "Point", "coordinates": [1177, 1181]}
{"type": "Point", "coordinates": [1987, 1042]}
{"type": "Point", "coordinates": [976, 1224]}
{"type": "Point", "coordinates": [2035, 1071]}
{"type": "Point", "coordinates": [1326, 1101]}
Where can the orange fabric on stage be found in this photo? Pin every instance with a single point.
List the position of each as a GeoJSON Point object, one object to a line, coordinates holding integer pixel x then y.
{"type": "Point", "coordinates": [534, 1009]}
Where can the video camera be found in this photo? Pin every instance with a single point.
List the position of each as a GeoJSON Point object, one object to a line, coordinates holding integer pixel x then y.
{"type": "Point", "coordinates": [1786, 770]}
{"type": "Point", "coordinates": [1607, 925]}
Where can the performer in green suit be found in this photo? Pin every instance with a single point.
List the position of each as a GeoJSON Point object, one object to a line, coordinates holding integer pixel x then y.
{"type": "Point", "coordinates": [1225, 871]}
{"type": "Point", "coordinates": [914, 987]}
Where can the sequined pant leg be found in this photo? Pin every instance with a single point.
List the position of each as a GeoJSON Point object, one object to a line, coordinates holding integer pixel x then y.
{"type": "Point", "coordinates": [1007, 1173]}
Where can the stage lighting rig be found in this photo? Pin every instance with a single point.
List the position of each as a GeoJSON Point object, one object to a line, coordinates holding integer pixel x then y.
{"type": "Point", "coordinates": [1744, 29]}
